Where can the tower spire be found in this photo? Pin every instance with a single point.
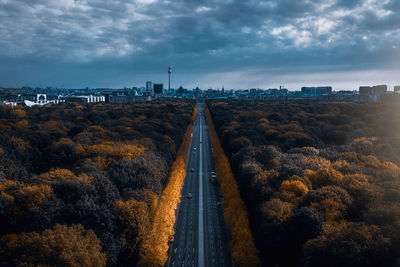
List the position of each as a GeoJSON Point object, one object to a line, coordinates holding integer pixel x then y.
{"type": "Point", "coordinates": [169, 78]}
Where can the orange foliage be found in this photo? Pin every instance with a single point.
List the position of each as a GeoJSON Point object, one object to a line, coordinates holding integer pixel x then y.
{"type": "Point", "coordinates": [171, 142]}
{"type": "Point", "coordinates": [104, 154]}
{"type": "Point", "coordinates": [134, 215]}
{"type": "Point", "coordinates": [21, 125]}
{"type": "Point", "coordinates": [154, 249]}
{"type": "Point", "coordinates": [295, 186]}
{"type": "Point", "coordinates": [61, 246]}
{"type": "Point", "coordinates": [329, 208]}
{"type": "Point", "coordinates": [111, 149]}
{"type": "Point", "coordinates": [19, 113]}
{"type": "Point", "coordinates": [244, 251]}
{"type": "Point", "coordinates": [21, 196]}
{"type": "Point", "coordinates": [53, 125]}
{"type": "Point", "coordinates": [277, 211]}
{"type": "Point", "coordinates": [20, 144]}
{"type": "Point", "coordinates": [324, 176]}
{"type": "Point", "coordinates": [56, 175]}
{"type": "Point", "coordinates": [360, 139]}
{"type": "Point", "coordinates": [194, 115]}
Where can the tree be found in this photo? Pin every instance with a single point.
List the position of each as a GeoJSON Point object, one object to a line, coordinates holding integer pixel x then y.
{"type": "Point", "coordinates": [348, 244]}
{"type": "Point", "coordinates": [61, 246]}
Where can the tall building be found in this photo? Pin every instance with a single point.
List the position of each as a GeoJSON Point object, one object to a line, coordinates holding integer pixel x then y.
{"type": "Point", "coordinates": [158, 88]}
{"type": "Point", "coordinates": [149, 87]}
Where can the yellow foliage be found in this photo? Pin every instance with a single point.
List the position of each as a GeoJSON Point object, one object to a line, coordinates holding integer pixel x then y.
{"type": "Point", "coordinates": [244, 251]}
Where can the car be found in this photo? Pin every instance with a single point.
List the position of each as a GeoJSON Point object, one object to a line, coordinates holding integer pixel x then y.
{"type": "Point", "coordinates": [192, 169]}
{"type": "Point", "coordinates": [189, 195]}
{"type": "Point", "coordinates": [213, 180]}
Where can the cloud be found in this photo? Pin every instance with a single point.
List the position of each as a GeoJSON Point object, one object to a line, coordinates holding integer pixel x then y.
{"type": "Point", "coordinates": [139, 38]}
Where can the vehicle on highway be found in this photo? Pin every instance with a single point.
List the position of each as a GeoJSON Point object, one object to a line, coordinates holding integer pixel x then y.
{"type": "Point", "coordinates": [189, 195]}
{"type": "Point", "coordinates": [192, 169]}
{"type": "Point", "coordinates": [213, 180]}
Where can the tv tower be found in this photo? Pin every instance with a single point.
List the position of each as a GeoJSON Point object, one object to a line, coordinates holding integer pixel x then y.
{"type": "Point", "coordinates": [169, 78]}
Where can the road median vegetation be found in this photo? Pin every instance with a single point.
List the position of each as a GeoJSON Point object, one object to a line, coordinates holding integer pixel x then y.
{"type": "Point", "coordinates": [154, 251]}
{"type": "Point", "coordinates": [244, 251]}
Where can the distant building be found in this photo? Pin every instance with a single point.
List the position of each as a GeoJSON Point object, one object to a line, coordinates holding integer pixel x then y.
{"type": "Point", "coordinates": [149, 87]}
{"type": "Point", "coordinates": [158, 88]}
{"type": "Point", "coordinates": [41, 99]}
{"type": "Point", "coordinates": [283, 91]}
{"type": "Point", "coordinates": [273, 91]}
{"type": "Point", "coordinates": [314, 91]}
{"type": "Point", "coordinates": [397, 88]}
{"type": "Point", "coordinates": [84, 99]}
{"type": "Point", "coordinates": [373, 90]}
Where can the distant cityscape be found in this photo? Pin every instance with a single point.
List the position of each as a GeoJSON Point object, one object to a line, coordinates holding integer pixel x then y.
{"type": "Point", "coordinates": [41, 96]}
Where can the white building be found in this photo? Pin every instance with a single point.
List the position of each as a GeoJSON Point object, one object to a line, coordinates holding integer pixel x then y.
{"type": "Point", "coordinates": [41, 100]}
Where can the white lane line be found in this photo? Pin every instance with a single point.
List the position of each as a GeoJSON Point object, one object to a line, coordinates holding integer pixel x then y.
{"type": "Point", "coordinates": [200, 254]}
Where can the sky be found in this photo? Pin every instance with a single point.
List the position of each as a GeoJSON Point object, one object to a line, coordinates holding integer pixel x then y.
{"type": "Point", "coordinates": [208, 43]}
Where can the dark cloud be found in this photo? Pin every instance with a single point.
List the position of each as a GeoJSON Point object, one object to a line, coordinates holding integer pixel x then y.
{"type": "Point", "coordinates": [117, 43]}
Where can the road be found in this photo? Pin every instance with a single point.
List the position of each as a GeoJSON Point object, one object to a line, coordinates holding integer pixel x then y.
{"type": "Point", "coordinates": [201, 237]}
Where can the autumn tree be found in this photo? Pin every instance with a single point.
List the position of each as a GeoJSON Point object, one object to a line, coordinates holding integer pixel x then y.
{"type": "Point", "coordinates": [61, 246]}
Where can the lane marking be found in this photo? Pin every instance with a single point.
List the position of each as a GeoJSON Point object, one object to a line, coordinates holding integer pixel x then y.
{"type": "Point", "coordinates": [200, 254]}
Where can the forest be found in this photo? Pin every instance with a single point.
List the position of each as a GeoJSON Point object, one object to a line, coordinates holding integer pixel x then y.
{"type": "Point", "coordinates": [80, 183]}
{"type": "Point", "coordinates": [320, 180]}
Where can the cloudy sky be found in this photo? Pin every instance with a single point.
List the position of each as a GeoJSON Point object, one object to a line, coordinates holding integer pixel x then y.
{"type": "Point", "coordinates": [209, 43]}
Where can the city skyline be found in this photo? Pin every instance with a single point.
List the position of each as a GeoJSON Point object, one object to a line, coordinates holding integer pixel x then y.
{"type": "Point", "coordinates": [236, 44]}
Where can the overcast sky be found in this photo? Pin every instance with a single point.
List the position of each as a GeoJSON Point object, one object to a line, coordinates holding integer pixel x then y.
{"type": "Point", "coordinates": [209, 43]}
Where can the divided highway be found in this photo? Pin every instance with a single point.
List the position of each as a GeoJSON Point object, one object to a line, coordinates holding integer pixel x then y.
{"type": "Point", "coordinates": [201, 237]}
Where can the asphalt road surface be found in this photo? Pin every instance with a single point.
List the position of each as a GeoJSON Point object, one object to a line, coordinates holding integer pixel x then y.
{"type": "Point", "coordinates": [201, 237]}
